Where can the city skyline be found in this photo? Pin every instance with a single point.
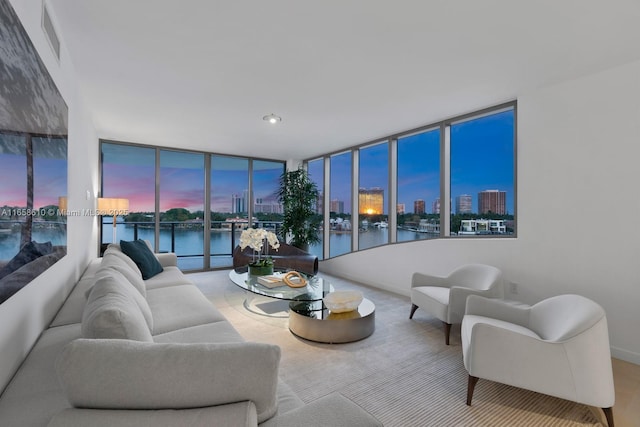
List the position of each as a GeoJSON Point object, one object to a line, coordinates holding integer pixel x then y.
{"type": "Point", "coordinates": [482, 158]}
{"type": "Point", "coordinates": [490, 139]}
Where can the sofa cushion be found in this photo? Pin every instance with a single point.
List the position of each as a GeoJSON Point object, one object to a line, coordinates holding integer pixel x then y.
{"type": "Point", "coordinates": [288, 400]}
{"type": "Point", "coordinates": [113, 311]}
{"type": "Point", "coordinates": [110, 260]}
{"type": "Point", "coordinates": [71, 310]}
{"type": "Point", "coordinates": [170, 276]}
{"type": "Point", "coordinates": [34, 394]}
{"type": "Point", "coordinates": [115, 249]}
{"type": "Point", "coordinates": [140, 253]}
{"type": "Point", "coordinates": [217, 332]}
{"type": "Point", "coordinates": [123, 374]}
{"type": "Point", "coordinates": [178, 307]}
{"type": "Point", "coordinates": [130, 290]}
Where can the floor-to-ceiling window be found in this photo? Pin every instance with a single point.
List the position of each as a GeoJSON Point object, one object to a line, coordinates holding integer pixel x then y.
{"type": "Point", "coordinates": [373, 193]}
{"type": "Point", "coordinates": [168, 192]}
{"type": "Point", "coordinates": [340, 204]}
{"type": "Point", "coordinates": [418, 207]}
{"type": "Point", "coordinates": [315, 169]}
{"type": "Point", "coordinates": [267, 209]}
{"type": "Point", "coordinates": [128, 172]}
{"type": "Point", "coordinates": [482, 174]}
{"type": "Point", "coordinates": [181, 207]}
{"type": "Point", "coordinates": [229, 206]}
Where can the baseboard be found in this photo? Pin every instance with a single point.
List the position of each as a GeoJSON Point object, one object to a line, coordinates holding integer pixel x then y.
{"type": "Point", "coordinates": [626, 355]}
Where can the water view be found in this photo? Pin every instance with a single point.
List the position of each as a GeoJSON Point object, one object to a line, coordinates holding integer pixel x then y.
{"type": "Point", "coordinates": [10, 242]}
{"type": "Point", "coordinates": [188, 243]}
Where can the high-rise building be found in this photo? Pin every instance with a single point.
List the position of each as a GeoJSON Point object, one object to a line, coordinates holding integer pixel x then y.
{"type": "Point", "coordinates": [371, 201]}
{"type": "Point", "coordinates": [269, 204]}
{"type": "Point", "coordinates": [418, 206]}
{"type": "Point", "coordinates": [400, 209]}
{"type": "Point", "coordinates": [239, 203]}
{"type": "Point", "coordinates": [435, 206]}
{"type": "Point", "coordinates": [464, 204]}
{"type": "Point", "coordinates": [336, 206]}
{"type": "Point", "coordinates": [492, 201]}
{"type": "Point", "coordinates": [320, 203]}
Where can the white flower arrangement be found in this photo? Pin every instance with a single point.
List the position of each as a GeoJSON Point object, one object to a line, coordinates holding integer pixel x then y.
{"type": "Point", "coordinates": [255, 238]}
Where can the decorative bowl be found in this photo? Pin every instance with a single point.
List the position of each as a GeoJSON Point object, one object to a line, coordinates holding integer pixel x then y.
{"type": "Point", "coordinates": [342, 301]}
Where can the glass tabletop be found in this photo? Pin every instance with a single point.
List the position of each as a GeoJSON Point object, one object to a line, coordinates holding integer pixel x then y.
{"type": "Point", "coordinates": [316, 288]}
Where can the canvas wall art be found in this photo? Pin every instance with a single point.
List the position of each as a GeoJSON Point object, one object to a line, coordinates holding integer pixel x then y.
{"type": "Point", "coordinates": [33, 160]}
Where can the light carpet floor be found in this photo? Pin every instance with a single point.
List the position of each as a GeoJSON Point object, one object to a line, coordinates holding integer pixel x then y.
{"type": "Point", "coordinates": [403, 374]}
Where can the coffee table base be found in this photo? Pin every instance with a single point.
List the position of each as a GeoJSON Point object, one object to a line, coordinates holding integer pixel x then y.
{"type": "Point", "coordinates": [324, 326]}
{"type": "Point", "coordinates": [265, 306]}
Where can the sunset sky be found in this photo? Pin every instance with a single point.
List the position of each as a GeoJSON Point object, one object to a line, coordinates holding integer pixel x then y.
{"type": "Point", "coordinates": [50, 180]}
{"type": "Point", "coordinates": [482, 158]}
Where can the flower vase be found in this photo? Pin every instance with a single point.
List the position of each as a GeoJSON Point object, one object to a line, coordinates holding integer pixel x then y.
{"type": "Point", "coordinates": [260, 270]}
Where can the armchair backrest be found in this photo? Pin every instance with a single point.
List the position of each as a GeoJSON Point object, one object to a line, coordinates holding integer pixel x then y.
{"type": "Point", "coordinates": [564, 316]}
{"type": "Point", "coordinates": [477, 276]}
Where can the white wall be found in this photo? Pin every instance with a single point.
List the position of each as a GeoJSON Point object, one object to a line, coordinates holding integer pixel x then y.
{"type": "Point", "coordinates": [28, 312]}
{"type": "Point", "coordinates": [578, 201]}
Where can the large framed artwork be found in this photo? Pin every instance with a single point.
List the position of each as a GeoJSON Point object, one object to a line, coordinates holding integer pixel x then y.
{"type": "Point", "coordinates": [33, 160]}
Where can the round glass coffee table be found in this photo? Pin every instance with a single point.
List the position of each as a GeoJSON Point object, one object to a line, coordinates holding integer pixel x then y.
{"type": "Point", "coordinates": [308, 316]}
{"type": "Point", "coordinates": [276, 303]}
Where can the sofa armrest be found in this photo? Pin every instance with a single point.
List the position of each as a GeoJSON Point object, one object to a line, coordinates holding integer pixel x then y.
{"type": "Point", "coordinates": [124, 374]}
{"type": "Point", "coordinates": [498, 309]}
{"type": "Point", "coordinates": [421, 279]}
{"type": "Point", "coordinates": [167, 259]}
{"type": "Point", "coordinates": [241, 414]}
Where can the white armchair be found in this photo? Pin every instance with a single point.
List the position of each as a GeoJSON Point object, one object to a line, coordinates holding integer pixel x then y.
{"type": "Point", "coordinates": [559, 347]}
{"type": "Point", "coordinates": [445, 297]}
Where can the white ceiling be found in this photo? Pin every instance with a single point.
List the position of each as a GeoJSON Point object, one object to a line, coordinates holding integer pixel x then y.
{"type": "Point", "coordinates": [201, 74]}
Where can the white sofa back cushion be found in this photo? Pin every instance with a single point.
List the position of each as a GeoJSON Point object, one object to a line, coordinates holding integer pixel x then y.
{"type": "Point", "coordinates": [115, 250]}
{"type": "Point", "coordinates": [110, 260]}
{"type": "Point", "coordinates": [115, 310]}
{"type": "Point", "coordinates": [122, 374]}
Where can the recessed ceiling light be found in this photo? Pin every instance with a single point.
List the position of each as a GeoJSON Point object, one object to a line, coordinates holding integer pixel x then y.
{"type": "Point", "coordinates": [272, 118]}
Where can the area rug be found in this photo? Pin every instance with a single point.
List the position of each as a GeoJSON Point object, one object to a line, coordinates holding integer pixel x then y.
{"type": "Point", "coordinates": [403, 374]}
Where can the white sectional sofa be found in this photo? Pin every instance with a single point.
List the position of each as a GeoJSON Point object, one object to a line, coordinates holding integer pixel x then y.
{"type": "Point", "coordinates": [123, 351]}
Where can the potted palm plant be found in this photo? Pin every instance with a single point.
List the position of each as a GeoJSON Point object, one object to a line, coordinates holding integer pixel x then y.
{"type": "Point", "coordinates": [299, 195]}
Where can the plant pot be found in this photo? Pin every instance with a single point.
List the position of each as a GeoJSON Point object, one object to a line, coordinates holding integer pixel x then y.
{"type": "Point", "coordinates": [260, 270]}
